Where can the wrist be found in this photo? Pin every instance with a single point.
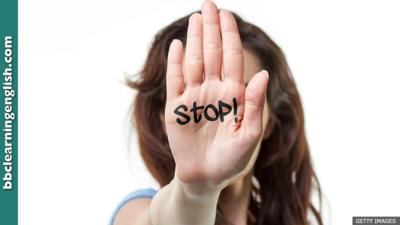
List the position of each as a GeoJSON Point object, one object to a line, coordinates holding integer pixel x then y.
{"type": "Point", "coordinates": [198, 191]}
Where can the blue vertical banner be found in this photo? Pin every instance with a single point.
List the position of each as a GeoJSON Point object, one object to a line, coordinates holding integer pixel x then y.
{"type": "Point", "coordinates": [8, 105]}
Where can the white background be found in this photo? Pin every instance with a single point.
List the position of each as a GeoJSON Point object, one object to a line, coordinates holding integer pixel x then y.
{"type": "Point", "coordinates": [74, 162]}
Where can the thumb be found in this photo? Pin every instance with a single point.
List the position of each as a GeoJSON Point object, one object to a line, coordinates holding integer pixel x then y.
{"type": "Point", "coordinates": [254, 103]}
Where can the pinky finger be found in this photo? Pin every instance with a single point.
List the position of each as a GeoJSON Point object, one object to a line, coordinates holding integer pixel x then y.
{"type": "Point", "coordinates": [174, 79]}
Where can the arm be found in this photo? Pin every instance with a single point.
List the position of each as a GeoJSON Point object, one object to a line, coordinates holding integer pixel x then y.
{"type": "Point", "coordinates": [173, 204]}
{"type": "Point", "coordinates": [181, 205]}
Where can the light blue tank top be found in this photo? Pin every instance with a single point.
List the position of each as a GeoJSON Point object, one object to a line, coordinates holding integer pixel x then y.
{"type": "Point", "coordinates": [142, 193]}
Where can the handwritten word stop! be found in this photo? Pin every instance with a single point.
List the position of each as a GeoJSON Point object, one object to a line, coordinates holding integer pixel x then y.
{"type": "Point", "coordinates": [210, 112]}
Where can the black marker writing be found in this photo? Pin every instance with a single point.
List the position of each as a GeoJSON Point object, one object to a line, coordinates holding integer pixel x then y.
{"type": "Point", "coordinates": [221, 106]}
{"type": "Point", "coordinates": [211, 112]}
{"type": "Point", "coordinates": [207, 112]}
{"type": "Point", "coordinates": [177, 112]}
{"type": "Point", "coordinates": [197, 117]}
{"type": "Point", "coordinates": [235, 109]}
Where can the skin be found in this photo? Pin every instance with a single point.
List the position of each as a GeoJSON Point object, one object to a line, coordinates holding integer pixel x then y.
{"type": "Point", "coordinates": [214, 160]}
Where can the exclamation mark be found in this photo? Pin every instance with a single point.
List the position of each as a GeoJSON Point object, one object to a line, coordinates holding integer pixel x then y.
{"type": "Point", "coordinates": [235, 105]}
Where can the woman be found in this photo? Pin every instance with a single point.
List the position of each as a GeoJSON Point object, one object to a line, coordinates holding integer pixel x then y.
{"type": "Point", "coordinates": [224, 148]}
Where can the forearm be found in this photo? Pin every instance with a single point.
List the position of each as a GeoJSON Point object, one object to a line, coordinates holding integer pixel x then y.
{"type": "Point", "coordinates": [181, 205]}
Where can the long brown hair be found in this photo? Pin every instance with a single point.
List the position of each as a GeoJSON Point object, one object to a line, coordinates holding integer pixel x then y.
{"type": "Point", "coordinates": [283, 168]}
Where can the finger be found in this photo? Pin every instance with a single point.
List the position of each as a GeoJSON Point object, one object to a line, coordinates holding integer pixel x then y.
{"type": "Point", "coordinates": [194, 51]}
{"type": "Point", "coordinates": [212, 48]}
{"type": "Point", "coordinates": [232, 48]}
{"type": "Point", "coordinates": [174, 79]}
{"type": "Point", "coordinates": [254, 103]}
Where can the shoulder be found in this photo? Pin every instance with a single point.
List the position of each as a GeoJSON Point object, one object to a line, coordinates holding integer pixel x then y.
{"type": "Point", "coordinates": [134, 204]}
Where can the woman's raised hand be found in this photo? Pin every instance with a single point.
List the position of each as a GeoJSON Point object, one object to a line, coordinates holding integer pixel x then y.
{"type": "Point", "coordinates": [213, 121]}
